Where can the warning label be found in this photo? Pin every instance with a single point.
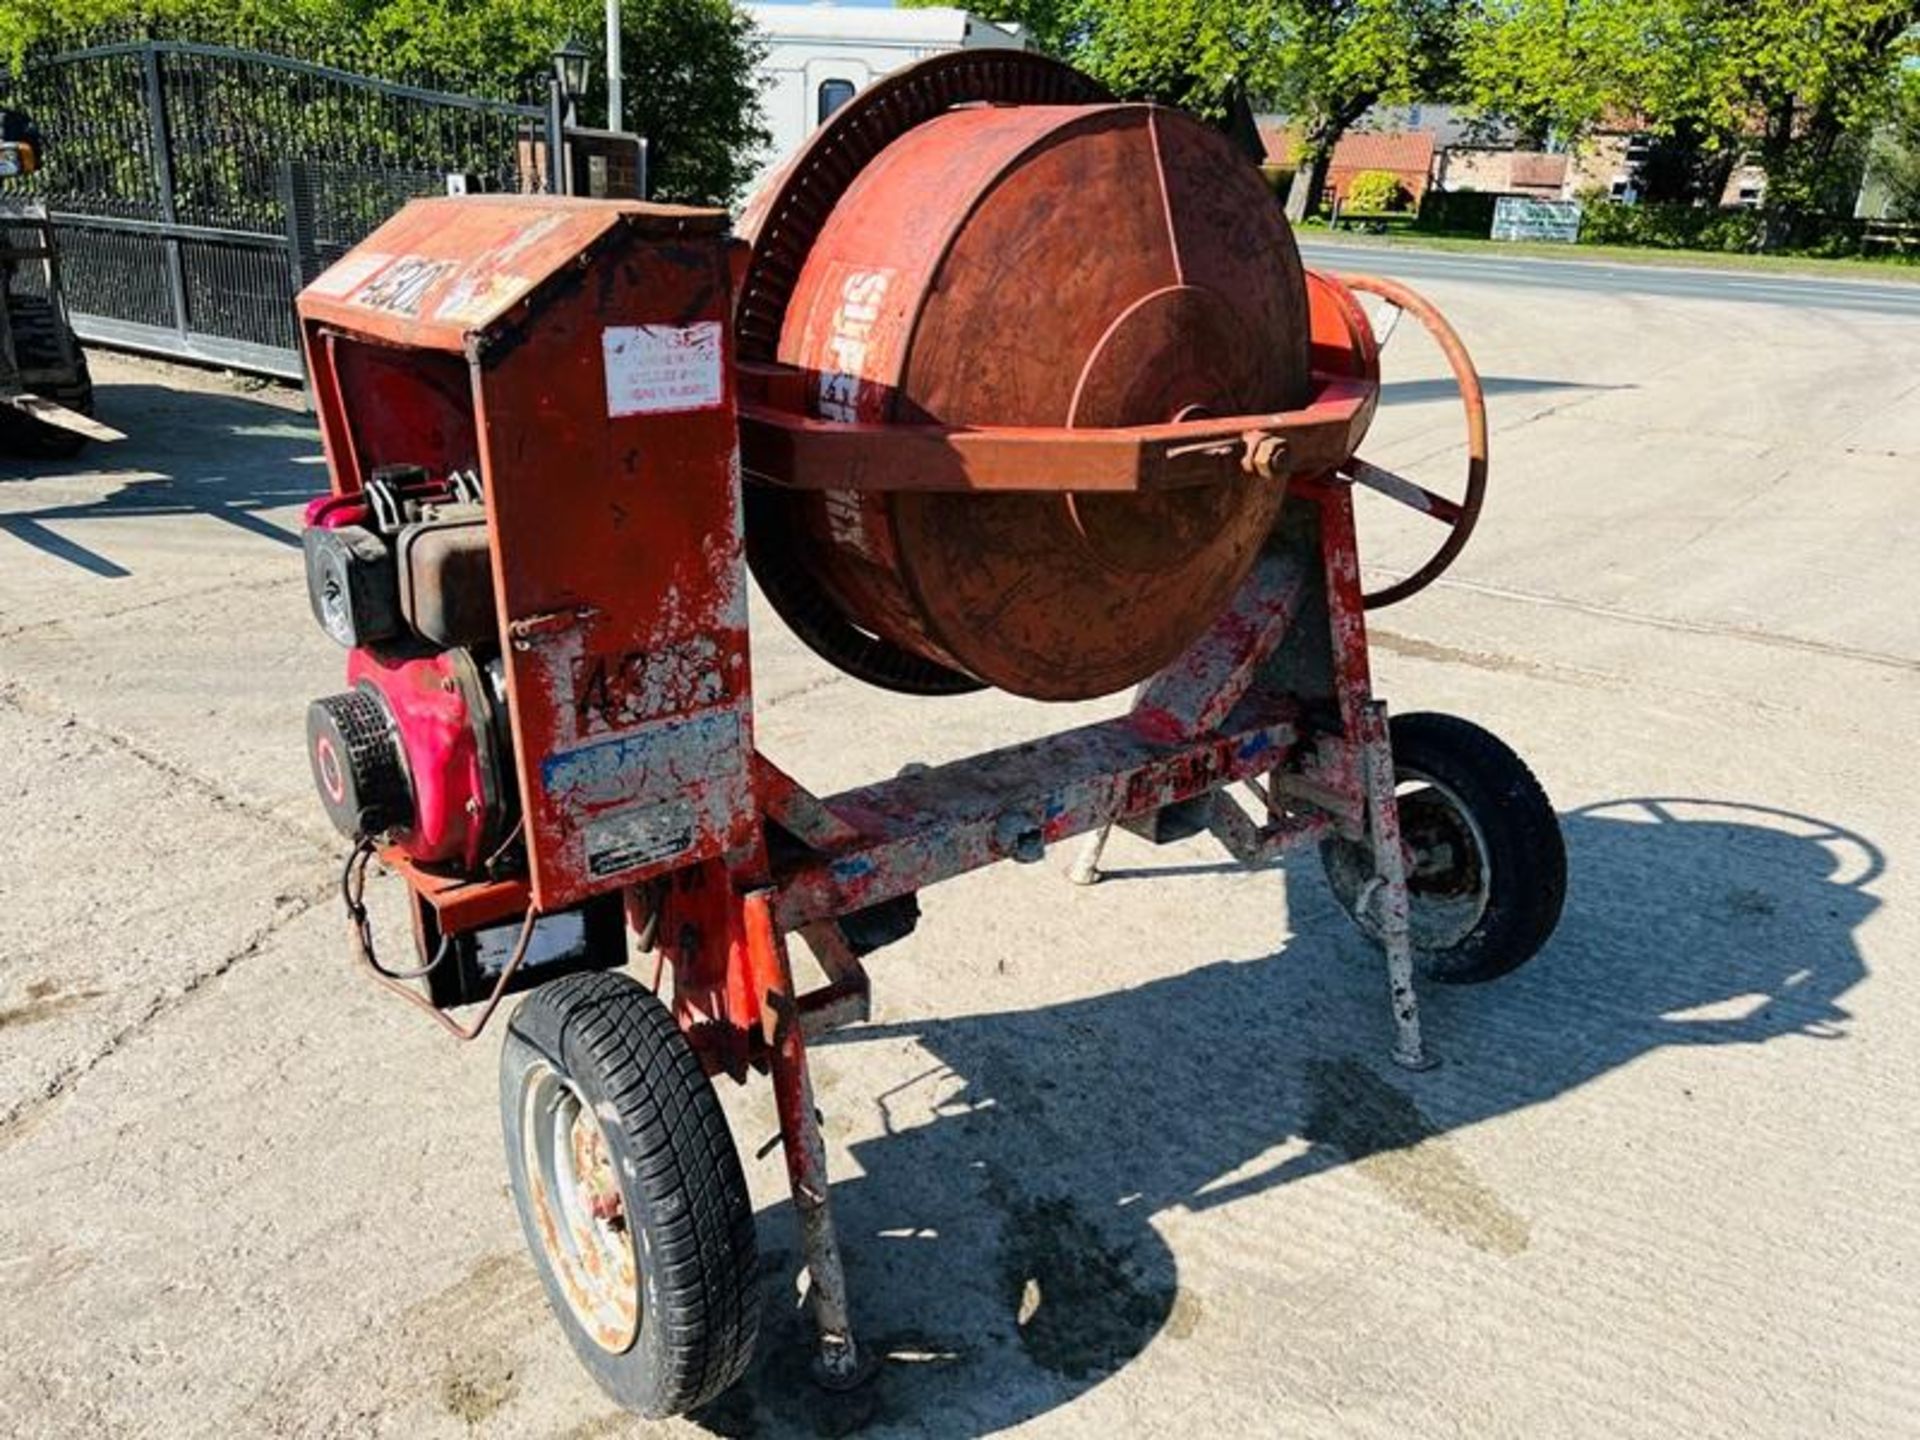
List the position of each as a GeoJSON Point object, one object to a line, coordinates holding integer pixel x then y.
{"type": "Point", "coordinates": [662, 369]}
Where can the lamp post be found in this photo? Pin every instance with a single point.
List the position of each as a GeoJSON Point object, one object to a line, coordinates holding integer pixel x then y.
{"type": "Point", "coordinates": [616, 87]}
{"type": "Point", "coordinates": [572, 65]}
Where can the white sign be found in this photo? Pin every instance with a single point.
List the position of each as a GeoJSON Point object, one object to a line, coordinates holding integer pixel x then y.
{"type": "Point", "coordinates": [662, 369]}
{"type": "Point", "coordinates": [1522, 217]}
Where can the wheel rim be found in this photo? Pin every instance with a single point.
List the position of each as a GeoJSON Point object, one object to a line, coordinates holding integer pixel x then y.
{"type": "Point", "coordinates": [1449, 875]}
{"type": "Point", "coordinates": [579, 1208]}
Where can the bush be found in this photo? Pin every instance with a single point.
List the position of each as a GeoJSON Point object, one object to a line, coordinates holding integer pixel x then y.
{"type": "Point", "coordinates": [1669, 226]}
{"type": "Point", "coordinates": [1376, 192]}
{"type": "Point", "coordinates": [1704, 227]}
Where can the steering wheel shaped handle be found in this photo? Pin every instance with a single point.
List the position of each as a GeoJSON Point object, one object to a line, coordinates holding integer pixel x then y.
{"type": "Point", "coordinates": [1459, 516]}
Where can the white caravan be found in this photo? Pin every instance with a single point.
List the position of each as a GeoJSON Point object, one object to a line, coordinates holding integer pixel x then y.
{"type": "Point", "coordinates": [820, 56]}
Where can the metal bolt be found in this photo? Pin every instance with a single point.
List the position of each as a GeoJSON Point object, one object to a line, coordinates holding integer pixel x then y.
{"type": "Point", "coordinates": [1265, 454]}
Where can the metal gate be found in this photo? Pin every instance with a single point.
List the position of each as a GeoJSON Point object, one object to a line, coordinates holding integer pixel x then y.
{"type": "Point", "coordinates": [195, 188]}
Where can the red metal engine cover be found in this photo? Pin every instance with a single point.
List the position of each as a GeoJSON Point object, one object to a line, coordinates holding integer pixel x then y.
{"type": "Point", "coordinates": [441, 715]}
{"type": "Point", "coordinates": [1072, 265]}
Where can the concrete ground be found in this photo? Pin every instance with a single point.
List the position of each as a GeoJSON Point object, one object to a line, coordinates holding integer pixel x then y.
{"type": "Point", "coordinates": [1119, 1161]}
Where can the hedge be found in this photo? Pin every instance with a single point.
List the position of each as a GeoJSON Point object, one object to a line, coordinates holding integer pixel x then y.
{"type": "Point", "coordinates": [1456, 212]}
{"type": "Point", "coordinates": [1661, 226]}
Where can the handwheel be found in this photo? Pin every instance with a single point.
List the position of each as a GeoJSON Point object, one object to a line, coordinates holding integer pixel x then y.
{"type": "Point", "coordinates": [1459, 516]}
{"type": "Point", "coordinates": [1486, 865]}
{"type": "Point", "coordinates": [630, 1193]}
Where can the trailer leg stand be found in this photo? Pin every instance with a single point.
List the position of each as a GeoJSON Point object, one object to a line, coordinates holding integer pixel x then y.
{"type": "Point", "coordinates": [1086, 864]}
{"type": "Point", "coordinates": [838, 1362]}
{"type": "Point", "coordinates": [1387, 897]}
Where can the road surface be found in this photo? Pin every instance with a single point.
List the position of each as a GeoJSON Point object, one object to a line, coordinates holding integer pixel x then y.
{"type": "Point", "coordinates": [1889, 298]}
{"type": "Point", "coordinates": [1125, 1161]}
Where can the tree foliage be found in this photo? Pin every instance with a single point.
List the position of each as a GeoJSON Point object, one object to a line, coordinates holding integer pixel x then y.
{"type": "Point", "coordinates": [690, 86]}
{"type": "Point", "coordinates": [1896, 152]}
{"type": "Point", "coordinates": [1322, 62]}
{"type": "Point", "coordinates": [1797, 83]}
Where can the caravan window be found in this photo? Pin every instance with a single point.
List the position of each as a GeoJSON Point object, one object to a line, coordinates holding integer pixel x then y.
{"type": "Point", "coordinates": [833, 94]}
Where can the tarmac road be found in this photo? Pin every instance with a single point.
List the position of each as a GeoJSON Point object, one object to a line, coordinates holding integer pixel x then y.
{"type": "Point", "coordinates": [1890, 298]}
{"type": "Point", "coordinates": [1111, 1162]}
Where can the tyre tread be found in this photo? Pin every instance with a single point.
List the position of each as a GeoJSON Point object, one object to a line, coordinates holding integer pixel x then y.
{"type": "Point", "coordinates": [1529, 858]}
{"type": "Point", "coordinates": [697, 1215]}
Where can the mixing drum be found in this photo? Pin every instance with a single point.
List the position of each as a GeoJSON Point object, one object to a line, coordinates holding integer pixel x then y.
{"type": "Point", "coordinates": [1081, 264]}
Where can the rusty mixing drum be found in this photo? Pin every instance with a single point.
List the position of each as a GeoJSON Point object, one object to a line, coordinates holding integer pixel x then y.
{"type": "Point", "coordinates": [1075, 263]}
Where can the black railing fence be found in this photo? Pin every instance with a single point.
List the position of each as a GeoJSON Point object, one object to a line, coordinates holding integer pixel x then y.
{"type": "Point", "coordinates": [195, 188]}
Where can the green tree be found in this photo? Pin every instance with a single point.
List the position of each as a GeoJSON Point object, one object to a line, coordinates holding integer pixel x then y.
{"type": "Point", "coordinates": [1896, 151]}
{"type": "Point", "coordinates": [1798, 83]}
{"type": "Point", "coordinates": [689, 64]}
{"type": "Point", "coordinates": [1819, 74]}
{"type": "Point", "coordinates": [1325, 63]}
{"type": "Point", "coordinates": [688, 72]}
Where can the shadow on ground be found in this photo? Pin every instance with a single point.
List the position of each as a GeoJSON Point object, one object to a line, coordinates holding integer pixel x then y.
{"type": "Point", "coordinates": [188, 453]}
{"type": "Point", "coordinates": [1445, 387]}
{"type": "Point", "coordinates": [998, 1291]}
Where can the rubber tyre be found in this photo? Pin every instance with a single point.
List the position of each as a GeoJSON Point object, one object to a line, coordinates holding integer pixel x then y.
{"type": "Point", "coordinates": [1525, 856]}
{"type": "Point", "coordinates": [36, 345]}
{"type": "Point", "coordinates": [681, 1185]}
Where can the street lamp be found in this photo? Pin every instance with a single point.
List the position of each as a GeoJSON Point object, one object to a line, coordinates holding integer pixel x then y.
{"type": "Point", "coordinates": [571, 67]}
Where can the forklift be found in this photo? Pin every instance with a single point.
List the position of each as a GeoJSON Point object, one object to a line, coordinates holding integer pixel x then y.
{"type": "Point", "coordinates": [46, 392]}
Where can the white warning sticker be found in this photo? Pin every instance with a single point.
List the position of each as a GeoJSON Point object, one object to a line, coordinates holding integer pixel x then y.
{"type": "Point", "coordinates": [662, 369]}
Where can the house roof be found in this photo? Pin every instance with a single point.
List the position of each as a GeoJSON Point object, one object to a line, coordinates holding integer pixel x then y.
{"type": "Point", "coordinates": [1282, 142]}
{"type": "Point", "coordinates": [1407, 153]}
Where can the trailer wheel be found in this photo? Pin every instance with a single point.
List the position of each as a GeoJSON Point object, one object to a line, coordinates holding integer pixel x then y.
{"type": "Point", "coordinates": [630, 1193]}
{"type": "Point", "coordinates": [1487, 868]}
{"type": "Point", "coordinates": [36, 346]}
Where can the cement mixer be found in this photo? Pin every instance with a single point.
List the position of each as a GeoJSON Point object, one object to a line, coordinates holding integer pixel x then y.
{"type": "Point", "coordinates": [998, 384]}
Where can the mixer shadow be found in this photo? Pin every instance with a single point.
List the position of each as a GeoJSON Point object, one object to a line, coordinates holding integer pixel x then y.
{"type": "Point", "coordinates": [1006, 1257]}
